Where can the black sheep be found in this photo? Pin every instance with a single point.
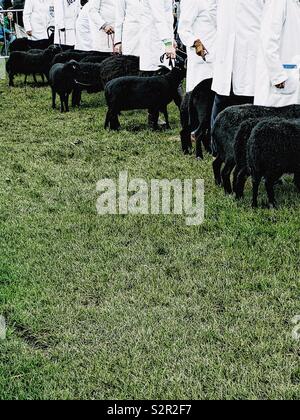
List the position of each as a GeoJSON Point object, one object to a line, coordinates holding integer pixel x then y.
{"type": "Point", "coordinates": [273, 150]}
{"type": "Point", "coordinates": [151, 93]}
{"type": "Point", "coordinates": [21, 62]}
{"type": "Point", "coordinates": [88, 79]}
{"type": "Point", "coordinates": [25, 44]}
{"type": "Point", "coordinates": [66, 56]}
{"type": "Point", "coordinates": [196, 111]}
{"type": "Point", "coordinates": [119, 66]}
{"type": "Point", "coordinates": [96, 59]}
{"type": "Point", "coordinates": [224, 132]}
{"type": "Point", "coordinates": [61, 79]}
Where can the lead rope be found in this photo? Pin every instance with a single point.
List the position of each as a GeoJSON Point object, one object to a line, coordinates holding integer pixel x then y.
{"type": "Point", "coordinates": [111, 38]}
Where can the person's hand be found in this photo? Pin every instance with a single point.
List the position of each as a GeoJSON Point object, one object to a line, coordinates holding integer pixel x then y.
{"type": "Point", "coordinates": [63, 30]}
{"type": "Point", "coordinates": [109, 30]}
{"type": "Point", "coordinates": [201, 51]}
{"type": "Point", "coordinates": [171, 52]}
{"type": "Point", "coordinates": [281, 85]}
{"type": "Point", "coordinates": [118, 48]}
{"type": "Point", "coordinates": [29, 33]}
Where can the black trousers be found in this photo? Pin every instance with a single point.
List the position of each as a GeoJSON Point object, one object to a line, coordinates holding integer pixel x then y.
{"type": "Point", "coordinates": [223, 102]}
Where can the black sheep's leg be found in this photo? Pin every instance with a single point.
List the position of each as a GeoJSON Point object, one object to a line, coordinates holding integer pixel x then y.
{"type": "Point", "coordinates": [76, 97]}
{"type": "Point", "coordinates": [207, 140]}
{"type": "Point", "coordinates": [178, 97]}
{"type": "Point", "coordinates": [186, 141]}
{"type": "Point", "coordinates": [113, 120]}
{"type": "Point", "coordinates": [62, 109]}
{"type": "Point", "coordinates": [217, 164]}
{"type": "Point", "coordinates": [270, 182]}
{"type": "Point", "coordinates": [11, 80]}
{"type": "Point", "coordinates": [67, 102]}
{"type": "Point", "coordinates": [199, 138]}
{"type": "Point", "coordinates": [25, 80]}
{"type": "Point", "coordinates": [34, 79]}
{"type": "Point", "coordinates": [107, 120]}
{"type": "Point", "coordinates": [153, 119]}
{"type": "Point", "coordinates": [226, 172]}
{"type": "Point", "coordinates": [256, 180]}
{"type": "Point", "coordinates": [53, 99]}
{"type": "Point", "coordinates": [43, 78]}
{"type": "Point", "coordinates": [166, 115]}
{"type": "Point", "coordinates": [240, 183]}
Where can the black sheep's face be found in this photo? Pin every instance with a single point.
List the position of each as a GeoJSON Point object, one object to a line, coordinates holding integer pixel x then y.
{"type": "Point", "coordinates": [74, 68]}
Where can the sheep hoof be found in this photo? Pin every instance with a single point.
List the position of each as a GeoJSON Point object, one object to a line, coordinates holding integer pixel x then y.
{"type": "Point", "coordinates": [272, 206]}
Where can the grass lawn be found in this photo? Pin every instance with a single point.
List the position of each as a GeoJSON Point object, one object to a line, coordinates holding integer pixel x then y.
{"type": "Point", "coordinates": [135, 307]}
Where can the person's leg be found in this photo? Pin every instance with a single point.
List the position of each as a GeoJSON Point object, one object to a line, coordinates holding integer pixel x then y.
{"type": "Point", "coordinates": [243, 100]}
{"type": "Point", "coordinates": [220, 104]}
{"type": "Point", "coordinates": [223, 102]}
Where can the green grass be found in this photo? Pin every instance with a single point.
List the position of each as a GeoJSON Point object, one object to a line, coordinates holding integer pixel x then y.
{"type": "Point", "coordinates": [135, 307]}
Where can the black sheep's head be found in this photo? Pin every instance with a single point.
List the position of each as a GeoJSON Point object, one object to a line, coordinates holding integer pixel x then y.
{"type": "Point", "coordinates": [73, 67]}
{"type": "Point", "coordinates": [52, 51]}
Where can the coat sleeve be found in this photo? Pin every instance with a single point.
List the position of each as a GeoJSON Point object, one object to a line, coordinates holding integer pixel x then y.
{"type": "Point", "coordinates": [212, 10]}
{"type": "Point", "coordinates": [94, 14]}
{"type": "Point", "coordinates": [157, 10]}
{"type": "Point", "coordinates": [59, 14]}
{"type": "Point", "coordinates": [28, 9]}
{"type": "Point", "coordinates": [119, 21]}
{"type": "Point", "coordinates": [188, 16]}
{"type": "Point", "coordinates": [271, 32]}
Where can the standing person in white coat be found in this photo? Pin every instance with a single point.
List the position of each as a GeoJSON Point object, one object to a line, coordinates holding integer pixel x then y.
{"type": "Point", "coordinates": [102, 21]}
{"type": "Point", "coordinates": [195, 28]}
{"type": "Point", "coordinates": [278, 64]}
{"type": "Point", "coordinates": [83, 30]}
{"type": "Point", "coordinates": [238, 30]}
{"type": "Point", "coordinates": [157, 35]}
{"type": "Point", "coordinates": [66, 13]}
{"type": "Point", "coordinates": [38, 16]}
{"type": "Point", "coordinates": [128, 27]}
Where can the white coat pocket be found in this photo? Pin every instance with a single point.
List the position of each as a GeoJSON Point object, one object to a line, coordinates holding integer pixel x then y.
{"type": "Point", "coordinates": [291, 85]}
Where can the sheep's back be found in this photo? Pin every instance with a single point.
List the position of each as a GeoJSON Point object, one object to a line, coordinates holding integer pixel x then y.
{"type": "Point", "coordinates": [274, 145]}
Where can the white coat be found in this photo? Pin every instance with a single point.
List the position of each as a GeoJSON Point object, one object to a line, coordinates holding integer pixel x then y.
{"type": "Point", "coordinates": [238, 30]}
{"type": "Point", "coordinates": [195, 23]}
{"type": "Point", "coordinates": [38, 15]}
{"type": "Point", "coordinates": [280, 45]}
{"type": "Point", "coordinates": [156, 26]}
{"type": "Point", "coordinates": [66, 13]}
{"type": "Point", "coordinates": [128, 26]}
{"type": "Point", "coordinates": [83, 30]}
{"type": "Point", "coordinates": [102, 13]}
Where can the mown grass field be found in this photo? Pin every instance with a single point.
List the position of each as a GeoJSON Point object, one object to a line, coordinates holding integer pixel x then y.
{"type": "Point", "coordinates": [135, 307]}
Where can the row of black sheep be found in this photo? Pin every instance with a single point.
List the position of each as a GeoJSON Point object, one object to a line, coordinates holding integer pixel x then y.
{"type": "Point", "coordinates": [248, 141]}
{"type": "Point", "coordinates": [256, 141]}
{"type": "Point", "coordinates": [253, 141]}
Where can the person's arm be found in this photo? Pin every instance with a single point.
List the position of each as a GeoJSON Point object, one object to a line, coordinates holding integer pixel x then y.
{"type": "Point", "coordinates": [95, 16]}
{"type": "Point", "coordinates": [28, 9]}
{"type": "Point", "coordinates": [271, 33]}
{"type": "Point", "coordinates": [187, 19]}
{"type": "Point", "coordinates": [119, 20]}
{"type": "Point", "coordinates": [59, 14]}
{"type": "Point", "coordinates": [159, 15]}
{"type": "Point", "coordinates": [212, 10]}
